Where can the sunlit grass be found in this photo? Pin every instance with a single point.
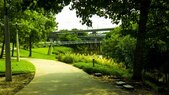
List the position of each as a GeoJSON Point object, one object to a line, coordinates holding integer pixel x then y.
{"type": "Point", "coordinates": [41, 53]}
{"type": "Point", "coordinates": [22, 66]}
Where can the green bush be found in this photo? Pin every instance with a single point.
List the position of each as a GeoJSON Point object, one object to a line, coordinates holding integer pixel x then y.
{"type": "Point", "coordinates": [67, 59]}
{"type": "Point", "coordinates": [61, 50]}
{"type": "Point", "coordinates": [59, 57]}
{"type": "Point", "coordinates": [102, 65]}
{"type": "Point", "coordinates": [105, 70]}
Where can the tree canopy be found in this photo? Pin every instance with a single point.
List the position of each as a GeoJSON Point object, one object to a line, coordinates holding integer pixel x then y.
{"type": "Point", "coordinates": [127, 11]}
{"type": "Point", "coordinates": [35, 22]}
{"type": "Point", "coordinates": [54, 6]}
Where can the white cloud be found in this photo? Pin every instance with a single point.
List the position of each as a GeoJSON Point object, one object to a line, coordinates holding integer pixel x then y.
{"type": "Point", "coordinates": [67, 20]}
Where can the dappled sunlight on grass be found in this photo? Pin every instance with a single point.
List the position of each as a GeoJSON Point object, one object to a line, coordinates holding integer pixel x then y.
{"type": "Point", "coordinates": [41, 53]}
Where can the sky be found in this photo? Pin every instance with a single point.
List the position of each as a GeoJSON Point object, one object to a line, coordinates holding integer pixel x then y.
{"type": "Point", "coordinates": [67, 20]}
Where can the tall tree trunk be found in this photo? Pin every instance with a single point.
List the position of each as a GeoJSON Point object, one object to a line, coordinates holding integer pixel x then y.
{"type": "Point", "coordinates": [2, 50]}
{"type": "Point", "coordinates": [8, 69]}
{"type": "Point", "coordinates": [30, 46]}
{"type": "Point", "coordinates": [140, 45]}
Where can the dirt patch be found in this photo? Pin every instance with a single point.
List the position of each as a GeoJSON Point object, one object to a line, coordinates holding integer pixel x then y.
{"type": "Point", "coordinates": [18, 82]}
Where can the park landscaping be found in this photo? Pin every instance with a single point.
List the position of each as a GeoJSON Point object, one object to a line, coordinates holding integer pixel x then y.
{"type": "Point", "coordinates": [41, 53]}
{"type": "Point", "coordinates": [94, 64]}
{"type": "Point", "coordinates": [82, 61]}
{"type": "Point", "coordinates": [22, 73]}
{"type": "Point", "coordinates": [18, 67]}
{"type": "Point", "coordinates": [138, 46]}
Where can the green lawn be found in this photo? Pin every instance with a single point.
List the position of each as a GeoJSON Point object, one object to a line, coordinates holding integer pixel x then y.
{"type": "Point", "coordinates": [41, 53]}
{"type": "Point", "coordinates": [22, 66]}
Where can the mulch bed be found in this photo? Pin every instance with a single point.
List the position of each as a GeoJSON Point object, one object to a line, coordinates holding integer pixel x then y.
{"type": "Point", "coordinates": [18, 82]}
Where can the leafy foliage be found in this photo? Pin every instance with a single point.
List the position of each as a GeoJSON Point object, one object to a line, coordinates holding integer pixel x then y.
{"type": "Point", "coordinates": [145, 13]}
{"type": "Point", "coordinates": [105, 70]}
{"type": "Point", "coordinates": [67, 36]}
{"type": "Point", "coordinates": [102, 65]}
{"type": "Point", "coordinates": [61, 50]}
{"type": "Point", "coordinates": [49, 5]}
{"type": "Point", "coordinates": [35, 24]}
{"type": "Point", "coordinates": [119, 47]}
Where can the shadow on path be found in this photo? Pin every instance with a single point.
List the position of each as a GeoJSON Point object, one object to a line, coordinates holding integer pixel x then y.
{"type": "Point", "coordinates": [56, 78]}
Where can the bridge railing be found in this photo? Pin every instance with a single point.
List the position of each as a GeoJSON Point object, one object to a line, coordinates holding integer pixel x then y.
{"type": "Point", "coordinates": [70, 42]}
{"type": "Point", "coordinates": [74, 42]}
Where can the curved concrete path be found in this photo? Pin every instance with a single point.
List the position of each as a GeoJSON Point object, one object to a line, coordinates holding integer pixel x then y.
{"type": "Point", "coordinates": [57, 78]}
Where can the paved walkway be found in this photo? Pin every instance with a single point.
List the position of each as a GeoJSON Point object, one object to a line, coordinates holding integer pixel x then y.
{"type": "Point", "coordinates": [57, 78]}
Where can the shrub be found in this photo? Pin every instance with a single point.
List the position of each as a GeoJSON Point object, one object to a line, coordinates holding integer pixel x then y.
{"type": "Point", "coordinates": [105, 70]}
{"type": "Point", "coordinates": [59, 57]}
{"type": "Point", "coordinates": [67, 59]}
{"type": "Point", "coordinates": [102, 65]}
{"type": "Point", "coordinates": [61, 50]}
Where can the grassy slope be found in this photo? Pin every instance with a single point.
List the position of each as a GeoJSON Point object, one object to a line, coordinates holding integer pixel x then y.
{"type": "Point", "coordinates": [40, 53]}
{"type": "Point", "coordinates": [24, 66]}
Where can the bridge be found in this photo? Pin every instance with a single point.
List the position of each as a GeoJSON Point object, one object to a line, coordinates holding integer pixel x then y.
{"type": "Point", "coordinates": [70, 42]}
{"type": "Point", "coordinates": [90, 39]}
{"type": "Point", "coordinates": [52, 35]}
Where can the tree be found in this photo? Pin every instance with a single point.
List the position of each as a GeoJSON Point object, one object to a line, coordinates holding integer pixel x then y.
{"type": "Point", "coordinates": [119, 46]}
{"type": "Point", "coordinates": [136, 11]}
{"type": "Point", "coordinates": [8, 72]}
{"type": "Point", "coordinates": [44, 24]}
{"type": "Point", "coordinates": [54, 6]}
{"type": "Point", "coordinates": [35, 27]}
{"type": "Point", "coordinates": [19, 6]}
{"type": "Point", "coordinates": [1, 26]}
